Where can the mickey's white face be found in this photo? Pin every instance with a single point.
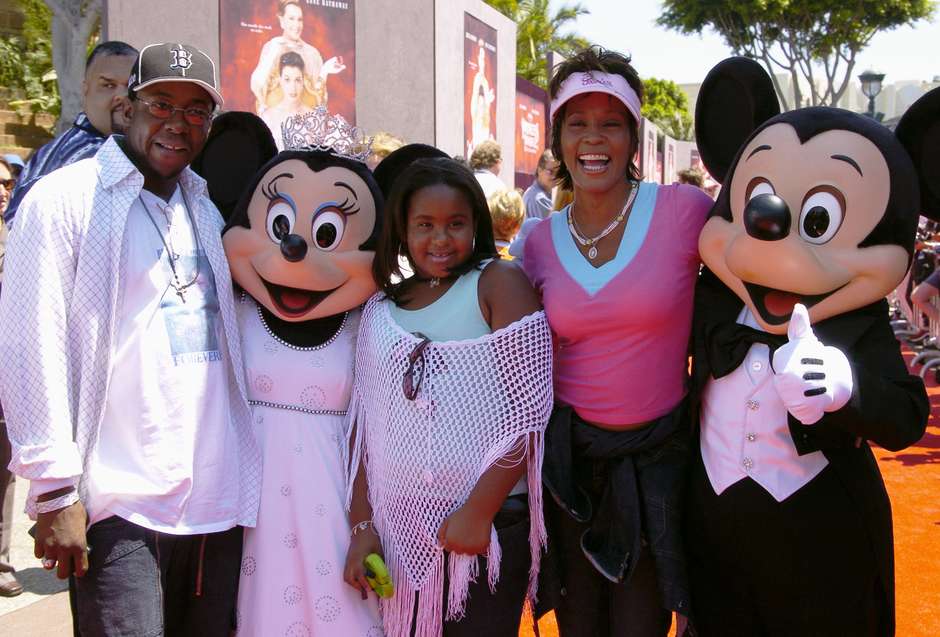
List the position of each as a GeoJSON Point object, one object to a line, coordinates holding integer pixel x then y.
{"type": "Point", "coordinates": [300, 258]}
{"type": "Point", "coordinates": [804, 246]}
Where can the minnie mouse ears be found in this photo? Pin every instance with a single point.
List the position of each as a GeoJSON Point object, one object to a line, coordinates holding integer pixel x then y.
{"type": "Point", "coordinates": [736, 97]}
{"type": "Point", "coordinates": [239, 143]}
{"type": "Point", "coordinates": [919, 132]}
{"type": "Point", "coordinates": [392, 166]}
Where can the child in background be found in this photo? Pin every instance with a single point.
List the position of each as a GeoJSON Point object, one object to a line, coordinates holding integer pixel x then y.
{"type": "Point", "coordinates": [508, 213]}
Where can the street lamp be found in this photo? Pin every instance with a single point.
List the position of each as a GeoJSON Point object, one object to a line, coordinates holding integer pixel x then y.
{"type": "Point", "coordinates": [871, 86]}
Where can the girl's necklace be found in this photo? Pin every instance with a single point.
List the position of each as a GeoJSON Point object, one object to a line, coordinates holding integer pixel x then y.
{"type": "Point", "coordinates": [173, 257]}
{"type": "Point", "coordinates": [591, 243]}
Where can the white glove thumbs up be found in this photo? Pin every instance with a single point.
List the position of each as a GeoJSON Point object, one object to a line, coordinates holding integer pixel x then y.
{"type": "Point", "coordinates": [810, 378]}
{"type": "Point", "coordinates": [800, 328]}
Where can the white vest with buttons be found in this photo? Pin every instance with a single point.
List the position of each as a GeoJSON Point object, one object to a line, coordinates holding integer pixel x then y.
{"type": "Point", "coordinates": [745, 432]}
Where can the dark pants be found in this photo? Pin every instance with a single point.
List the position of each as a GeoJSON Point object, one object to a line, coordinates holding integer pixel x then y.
{"type": "Point", "coordinates": [762, 568]}
{"type": "Point", "coordinates": [146, 584]}
{"type": "Point", "coordinates": [497, 614]}
{"type": "Point", "coordinates": [590, 605]}
{"type": "Point", "coordinates": [7, 482]}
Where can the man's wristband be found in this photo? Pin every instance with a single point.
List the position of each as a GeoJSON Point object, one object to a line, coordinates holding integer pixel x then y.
{"type": "Point", "coordinates": [48, 506]}
{"type": "Point", "coordinates": [55, 494]}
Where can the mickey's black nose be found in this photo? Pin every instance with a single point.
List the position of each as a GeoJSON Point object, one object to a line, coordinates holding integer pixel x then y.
{"type": "Point", "coordinates": [293, 247]}
{"type": "Point", "coordinates": [767, 217]}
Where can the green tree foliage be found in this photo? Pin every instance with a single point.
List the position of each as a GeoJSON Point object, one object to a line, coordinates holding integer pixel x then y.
{"type": "Point", "coordinates": [813, 41]}
{"type": "Point", "coordinates": [26, 60]}
{"type": "Point", "coordinates": [538, 31]}
{"type": "Point", "coordinates": [666, 105]}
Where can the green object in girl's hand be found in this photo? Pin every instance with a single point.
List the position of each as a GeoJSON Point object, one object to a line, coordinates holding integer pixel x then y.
{"type": "Point", "coordinates": [377, 575]}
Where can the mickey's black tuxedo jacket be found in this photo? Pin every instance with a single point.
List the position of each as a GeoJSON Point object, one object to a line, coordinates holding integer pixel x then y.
{"type": "Point", "coordinates": [888, 406]}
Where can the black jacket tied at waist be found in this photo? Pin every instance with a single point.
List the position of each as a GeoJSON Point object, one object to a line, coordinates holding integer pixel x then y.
{"type": "Point", "coordinates": [627, 485]}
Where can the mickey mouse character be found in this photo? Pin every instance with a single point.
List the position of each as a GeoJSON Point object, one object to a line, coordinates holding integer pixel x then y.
{"type": "Point", "coordinates": [788, 523]}
{"type": "Point", "coordinates": [300, 244]}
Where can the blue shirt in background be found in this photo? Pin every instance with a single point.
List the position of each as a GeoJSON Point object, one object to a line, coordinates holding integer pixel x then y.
{"type": "Point", "coordinates": [79, 142]}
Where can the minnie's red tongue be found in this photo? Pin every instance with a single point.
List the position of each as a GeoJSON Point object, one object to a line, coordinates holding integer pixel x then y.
{"type": "Point", "coordinates": [780, 303]}
{"type": "Point", "coordinates": [295, 300]}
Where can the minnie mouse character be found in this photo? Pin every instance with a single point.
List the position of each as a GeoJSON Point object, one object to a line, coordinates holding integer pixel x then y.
{"type": "Point", "coordinates": [788, 523]}
{"type": "Point", "coordinates": [300, 244]}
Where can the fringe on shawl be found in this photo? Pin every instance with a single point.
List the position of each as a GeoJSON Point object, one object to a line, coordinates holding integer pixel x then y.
{"type": "Point", "coordinates": [464, 570]}
{"type": "Point", "coordinates": [353, 449]}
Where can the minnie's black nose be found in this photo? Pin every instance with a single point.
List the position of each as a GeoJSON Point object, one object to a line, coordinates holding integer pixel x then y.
{"type": "Point", "coordinates": [293, 247]}
{"type": "Point", "coordinates": [767, 217]}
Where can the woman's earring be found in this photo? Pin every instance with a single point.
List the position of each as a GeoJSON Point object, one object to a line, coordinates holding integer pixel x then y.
{"type": "Point", "coordinates": [473, 244]}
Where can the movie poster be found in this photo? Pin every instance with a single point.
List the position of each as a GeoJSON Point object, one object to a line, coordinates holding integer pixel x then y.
{"type": "Point", "coordinates": [531, 138]}
{"type": "Point", "coordinates": [479, 54]}
{"type": "Point", "coordinates": [286, 58]}
{"type": "Point", "coordinates": [670, 170]}
{"type": "Point", "coordinates": [648, 151]}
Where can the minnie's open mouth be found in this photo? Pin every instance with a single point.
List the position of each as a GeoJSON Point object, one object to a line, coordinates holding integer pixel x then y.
{"type": "Point", "coordinates": [294, 302]}
{"type": "Point", "coordinates": [776, 306]}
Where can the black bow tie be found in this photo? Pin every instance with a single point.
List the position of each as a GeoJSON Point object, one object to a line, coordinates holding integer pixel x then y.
{"type": "Point", "coordinates": [727, 343]}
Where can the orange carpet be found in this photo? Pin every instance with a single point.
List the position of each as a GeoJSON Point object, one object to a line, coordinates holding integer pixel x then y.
{"type": "Point", "coordinates": [913, 480]}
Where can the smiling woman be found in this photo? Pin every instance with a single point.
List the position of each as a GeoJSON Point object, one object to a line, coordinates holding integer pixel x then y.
{"type": "Point", "coordinates": [616, 270]}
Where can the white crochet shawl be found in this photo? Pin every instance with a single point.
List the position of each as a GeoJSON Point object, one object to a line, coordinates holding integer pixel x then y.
{"type": "Point", "coordinates": [479, 401]}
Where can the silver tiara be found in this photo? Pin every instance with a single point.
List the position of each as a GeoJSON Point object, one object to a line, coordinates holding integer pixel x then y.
{"type": "Point", "coordinates": [319, 130]}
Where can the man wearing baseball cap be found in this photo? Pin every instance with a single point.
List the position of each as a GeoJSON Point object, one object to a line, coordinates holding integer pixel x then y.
{"type": "Point", "coordinates": [122, 375]}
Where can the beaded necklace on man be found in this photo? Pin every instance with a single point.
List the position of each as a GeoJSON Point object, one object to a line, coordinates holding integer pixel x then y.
{"type": "Point", "coordinates": [173, 257]}
{"type": "Point", "coordinates": [591, 242]}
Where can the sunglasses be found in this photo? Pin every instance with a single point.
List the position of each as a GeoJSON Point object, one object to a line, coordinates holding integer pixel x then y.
{"type": "Point", "coordinates": [409, 384]}
{"type": "Point", "coordinates": [163, 110]}
{"type": "Point", "coordinates": [8, 183]}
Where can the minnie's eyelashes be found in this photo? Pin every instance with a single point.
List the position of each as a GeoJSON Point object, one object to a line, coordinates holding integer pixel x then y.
{"type": "Point", "coordinates": [348, 207]}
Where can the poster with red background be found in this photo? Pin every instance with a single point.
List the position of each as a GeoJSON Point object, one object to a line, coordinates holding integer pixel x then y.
{"type": "Point", "coordinates": [531, 130]}
{"type": "Point", "coordinates": [327, 40]}
{"type": "Point", "coordinates": [479, 54]}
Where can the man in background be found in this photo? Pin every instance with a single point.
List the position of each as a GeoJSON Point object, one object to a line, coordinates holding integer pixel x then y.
{"type": "Point", "coordinates": [103, 88]}
{"type": "Point", "coordinates": [538, 196]}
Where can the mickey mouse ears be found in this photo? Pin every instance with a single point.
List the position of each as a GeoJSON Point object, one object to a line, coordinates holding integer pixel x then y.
{"type": "Point", "coordinates": [239, 143]}
{"type": "Point", "coordinates": [736, 97]}
{"type": "Point", "coordinates": [398, 160]}
{"type": "Point", "coordinates": [919, 132]}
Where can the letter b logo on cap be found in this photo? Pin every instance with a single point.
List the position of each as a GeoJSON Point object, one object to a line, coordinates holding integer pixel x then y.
{"type": "Point", "coordinates": [182, 59]}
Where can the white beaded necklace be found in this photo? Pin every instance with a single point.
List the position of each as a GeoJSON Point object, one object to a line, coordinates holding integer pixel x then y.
{"type": "Point", "coordinates": [592, 242]}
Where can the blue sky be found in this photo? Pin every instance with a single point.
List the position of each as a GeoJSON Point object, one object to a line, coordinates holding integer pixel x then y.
{"type": "Point", "coordinates": [909, 53]}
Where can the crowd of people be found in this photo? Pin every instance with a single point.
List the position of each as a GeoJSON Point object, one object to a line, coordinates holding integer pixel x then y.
{"type": "Point", "coordinates": [222, 419]}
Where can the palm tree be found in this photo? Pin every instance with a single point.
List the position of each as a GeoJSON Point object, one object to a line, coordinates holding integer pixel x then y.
{"type": "Point", "coordinates": [538, 32]}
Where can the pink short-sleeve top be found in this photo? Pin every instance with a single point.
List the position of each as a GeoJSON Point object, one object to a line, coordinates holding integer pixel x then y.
{"type": "Point", "coordinates": [622, 329]}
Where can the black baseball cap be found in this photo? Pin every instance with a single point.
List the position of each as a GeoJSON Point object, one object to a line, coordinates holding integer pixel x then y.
{"type": "Point", "coordinates": [174, 62]}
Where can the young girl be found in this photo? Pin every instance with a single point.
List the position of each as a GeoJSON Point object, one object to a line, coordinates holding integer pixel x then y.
{"type": "Point", "coordinates": [452, 394]}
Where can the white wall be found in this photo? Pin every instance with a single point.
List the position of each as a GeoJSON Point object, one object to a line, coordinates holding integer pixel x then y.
{"type": "Point", "coordinates": [194, 22]}
{"type": "Point", "coordinates": [394, 68]}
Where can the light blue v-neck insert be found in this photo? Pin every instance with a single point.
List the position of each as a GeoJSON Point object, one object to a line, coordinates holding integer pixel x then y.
{"type": "Point", "coordinates": [592, 279]}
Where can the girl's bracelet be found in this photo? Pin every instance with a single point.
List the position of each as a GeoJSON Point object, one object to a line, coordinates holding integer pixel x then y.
{"type": "Point", "coordinates": [362, 526]}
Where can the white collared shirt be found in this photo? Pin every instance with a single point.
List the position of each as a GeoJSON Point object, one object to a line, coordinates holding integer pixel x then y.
{"type": "Point", "coordinates": [59, 312]}
{"type": "Point", "coordinates": [745, 433]}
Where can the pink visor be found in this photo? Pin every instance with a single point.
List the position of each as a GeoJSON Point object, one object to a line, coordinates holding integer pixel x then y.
{"type": "Point", "coordinates": [597, 82]}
